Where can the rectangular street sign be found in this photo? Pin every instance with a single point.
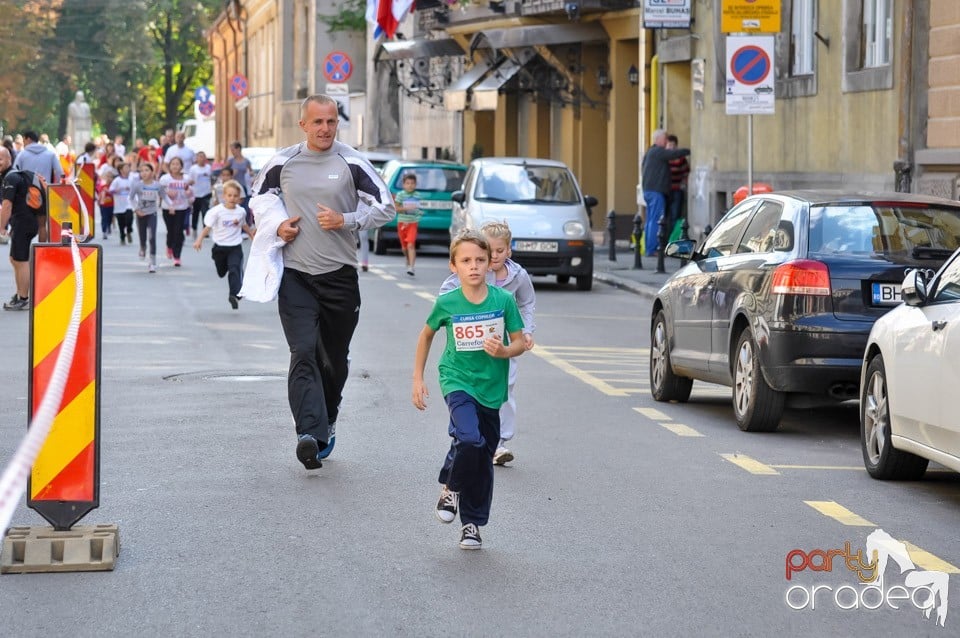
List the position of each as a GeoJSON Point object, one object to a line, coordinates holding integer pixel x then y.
{"type": "Point", "coordinates": [750, 16]}
{"type": "Point", "coordinates": [750, 76]}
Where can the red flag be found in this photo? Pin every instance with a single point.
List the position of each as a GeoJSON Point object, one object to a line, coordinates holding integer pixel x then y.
{"type": "Point", "coordinates": [385, 17]}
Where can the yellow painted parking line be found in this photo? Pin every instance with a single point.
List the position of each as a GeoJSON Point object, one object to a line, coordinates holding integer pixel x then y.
{"type": "Point", "coordinates": [652, 413]}
{"type": "Point", "coordinates": [406, 286]}
{"type": "Point", "coordinates": [680, 430]}
{"type": "Point", "coordinates": [839, 513]}
{"type": "Point", "coordinates": [819, 467]}
{"type": "Point", "coordinates": [547, 355]}
{"type": "Point", "coordinates": [426, 295]}
{"type": "Point", "coordinates": [751, 465]}
{"type": "Point", "coordinates": [923, 558]}
{"type": "Point", "coordinates": [597, 349]}
{"type": "Point", "coordinates": [387, 277]}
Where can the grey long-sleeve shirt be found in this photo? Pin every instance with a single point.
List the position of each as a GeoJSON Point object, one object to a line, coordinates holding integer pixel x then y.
{"type": "Point", "coordinates": [341, 179]}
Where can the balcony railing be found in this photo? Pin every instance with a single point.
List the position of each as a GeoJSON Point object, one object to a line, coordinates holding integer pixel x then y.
{"type": "Point", "coordinates": [573, 9]}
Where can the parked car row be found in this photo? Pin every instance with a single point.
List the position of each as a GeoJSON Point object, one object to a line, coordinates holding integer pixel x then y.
{"type": "Point", "coordinates": [788, 301]}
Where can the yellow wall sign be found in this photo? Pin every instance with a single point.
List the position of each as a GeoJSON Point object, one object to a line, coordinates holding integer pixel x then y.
{"type": "Point", "coordinates": [750, 16]}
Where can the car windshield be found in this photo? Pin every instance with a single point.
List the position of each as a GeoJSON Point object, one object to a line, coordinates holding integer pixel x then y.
{"type": "Point", "coordinates": [431, 179]}
{"type": "Point", "coordinates": [526, 183]}
{"type": "Point", "coordinates": [917, 231]}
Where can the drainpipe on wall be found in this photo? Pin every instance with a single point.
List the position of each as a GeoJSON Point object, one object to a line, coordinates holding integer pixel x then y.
{"type": "Point", "coordinates": [903, 166]}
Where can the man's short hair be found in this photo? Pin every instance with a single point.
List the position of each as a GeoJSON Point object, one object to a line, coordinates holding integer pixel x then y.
{"type": "Point", "coordinates": [673, 138]}
{"type": "Point", "coordinates": [31, 135]}
{"type": "Point", "coordinates": [318, 98]}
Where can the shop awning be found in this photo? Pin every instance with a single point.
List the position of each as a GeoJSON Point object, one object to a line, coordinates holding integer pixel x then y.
{"type": "Point", "coordinates": [407, 49]}
{"type": "Point", "coordinates": [484, 94]}
{"type": "Point", "coordinates": [455, 95]}
{"type": "Point", "coordinates": [536, 35]}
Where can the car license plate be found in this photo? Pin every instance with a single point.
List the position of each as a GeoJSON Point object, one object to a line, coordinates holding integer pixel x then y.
{"type": "Point", "coordinates": [886, 294]}
{"type": "Point", "coordinates": [535, 246]}
{"type": "Point", "coordinates": [434, 205]}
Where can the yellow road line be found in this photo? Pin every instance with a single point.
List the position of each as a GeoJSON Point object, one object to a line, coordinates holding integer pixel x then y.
{"type": "Point", "coordinates": [923, 558]}
{"type": "Point", "coordinates": [751, 465]}
{"type": "Point", "coordinates": [387, 277]}
{"type": "Point", "coordinates": [426, 295]}
{"type": "Point", "coordinates": [680, 429]}
{"type": "Point", "coordinates": [598, 349]}
{"type": "Point", "coordinates": [406, 286]}
{"type": "Point", "coordinates": [652, 413]}
{"type": "Point", "coordinates": [548, 356]}
{"type": "Point", "coordinates": [818, 467]}
{"type": "Point", "coordinates": [839, 513]}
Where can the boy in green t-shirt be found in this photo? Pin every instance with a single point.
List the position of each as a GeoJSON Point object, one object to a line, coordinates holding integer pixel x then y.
{"type": "Point", "coordinates": [408, 216]}
{"type": "Point", "coordinates": [473, 380]}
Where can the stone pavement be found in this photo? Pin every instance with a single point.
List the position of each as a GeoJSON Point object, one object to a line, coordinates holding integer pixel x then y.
{"type": "Point", "coordinates": [621, 273]}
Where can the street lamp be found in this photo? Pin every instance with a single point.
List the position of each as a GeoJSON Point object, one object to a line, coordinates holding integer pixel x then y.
{"type": "Point", "coordinates": [633, 75]}
{"type": "Point", "coordinates": [603, 78]}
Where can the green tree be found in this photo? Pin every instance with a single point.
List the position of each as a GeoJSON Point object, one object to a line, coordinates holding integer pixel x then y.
{"type": "Point", "coordinates": [349, 15]}
{"type": "Point", "coordinates": [176, 28]}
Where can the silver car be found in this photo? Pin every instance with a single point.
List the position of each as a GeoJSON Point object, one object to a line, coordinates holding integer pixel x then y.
{"type": "Point", "coordinates": [542, 203]}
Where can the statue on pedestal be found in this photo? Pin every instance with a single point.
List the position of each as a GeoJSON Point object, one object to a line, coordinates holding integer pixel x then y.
{"type": "Point", "coordinates": [79, 125]}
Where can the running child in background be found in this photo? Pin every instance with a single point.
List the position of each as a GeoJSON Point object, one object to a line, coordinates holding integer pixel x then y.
{"type": "Point", "coordinates": [122, 209]}
{"type": "Point", "coordinates": [202, 184]}
{"type": "Point", "coordinates": [508, 274]}
{"type": "Point", "coordinates": [408, 216]}
{"type": "Point", "coordinates": [105, 201]}
{"type": "Point", "coordinates": [145, 199]}
{"type": "Point", "coordinates": [177, 198]}
{"type": "Point", "coordinates": [473, 379]}
{"type": "Point", "coordinates": [225, 221]}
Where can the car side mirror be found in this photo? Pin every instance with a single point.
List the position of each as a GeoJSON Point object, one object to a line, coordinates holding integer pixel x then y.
{"type": "Point", "coordinates": [590, 201]}
{"type": "Point", "coordinates": [458, 196]}
{"type": "Point", "coordinates": [913, 290]}
{"type": "Point", "coordinates": [682, 249]}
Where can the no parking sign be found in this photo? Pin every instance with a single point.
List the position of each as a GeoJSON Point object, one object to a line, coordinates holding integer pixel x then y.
{"type": "Point", "coordinates": [750, 77]}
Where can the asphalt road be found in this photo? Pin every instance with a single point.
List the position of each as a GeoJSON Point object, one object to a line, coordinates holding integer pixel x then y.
{"type": "Point", "coordinates": [619, 517]}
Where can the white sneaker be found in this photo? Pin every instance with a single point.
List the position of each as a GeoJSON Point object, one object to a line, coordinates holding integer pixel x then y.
{"type": "Point", "coordinates": [470, 537]}
{"type": "Point", "coordinates": [447, 505]}
{"type": "Point", "coordinates": [502, 456]}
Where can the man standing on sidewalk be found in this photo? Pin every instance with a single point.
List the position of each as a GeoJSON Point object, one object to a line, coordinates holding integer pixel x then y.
{"type": "Point", "coordinates": [330, 192]}
{"type": "Point", "coordinates": [655, 171]}
{"type": "Point", "coordinates": [24, 226]}
{"type": "Point", "coordinates": [39, 159]}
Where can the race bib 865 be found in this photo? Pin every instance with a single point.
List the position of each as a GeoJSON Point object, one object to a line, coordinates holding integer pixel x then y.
{"type": "Point", "coordinates": [469, 331]}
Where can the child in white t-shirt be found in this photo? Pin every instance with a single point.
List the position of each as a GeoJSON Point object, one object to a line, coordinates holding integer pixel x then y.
{"type": "Point", "coordinates": [224, 222]}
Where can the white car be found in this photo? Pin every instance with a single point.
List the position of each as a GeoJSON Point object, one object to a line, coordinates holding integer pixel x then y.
{"type": "Point", "coordinates": [911, 368]}
{"type": "Point", "coordinates": [541, 201]}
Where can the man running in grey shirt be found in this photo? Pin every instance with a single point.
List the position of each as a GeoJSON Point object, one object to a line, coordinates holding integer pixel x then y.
{"type": "Point", "coordinates": [330, 192]}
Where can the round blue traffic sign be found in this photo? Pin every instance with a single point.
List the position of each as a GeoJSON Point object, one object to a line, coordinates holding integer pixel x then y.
{"type": "Point", "coordinates": [750, 65]}
{"type": "Point", "coordinates": [337, 67]}
{"type": "Point", "coordinates": [238, 86]}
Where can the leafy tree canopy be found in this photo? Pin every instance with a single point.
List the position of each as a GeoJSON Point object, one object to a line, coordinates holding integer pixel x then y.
{"type": "Point", "coordinates": [126, 55]}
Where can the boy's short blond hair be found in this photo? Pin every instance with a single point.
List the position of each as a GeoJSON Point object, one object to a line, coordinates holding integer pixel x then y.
{"type": "Point", "coordinates": [468, 236]}
{"type": "Point", "coordinates": [235, 185]}
{"type": "Point", "coordinates": [497, 230]}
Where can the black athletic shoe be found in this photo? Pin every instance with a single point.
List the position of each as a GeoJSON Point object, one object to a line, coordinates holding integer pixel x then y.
{"type": "Point", "coordinates": [17, 304]}
{"type": "Point", "coordinates": [307, 451]}
{"type": "Point", "coordinates": [234, 301]}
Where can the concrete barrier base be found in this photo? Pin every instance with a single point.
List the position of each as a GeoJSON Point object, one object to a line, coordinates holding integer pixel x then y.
{"type": "Point", "coordinates": [84, 548]}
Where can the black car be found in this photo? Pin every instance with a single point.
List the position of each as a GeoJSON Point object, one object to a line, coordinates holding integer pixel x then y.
{"type": "Point", "coordinates": [778, 300]}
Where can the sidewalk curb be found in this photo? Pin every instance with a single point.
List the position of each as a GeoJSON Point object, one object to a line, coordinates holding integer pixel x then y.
{"type": "Point", "coordinates": [644, 290]}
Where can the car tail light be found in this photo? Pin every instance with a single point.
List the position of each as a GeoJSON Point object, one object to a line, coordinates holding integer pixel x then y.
{"type": "Point", "coordinates": [802, 277]}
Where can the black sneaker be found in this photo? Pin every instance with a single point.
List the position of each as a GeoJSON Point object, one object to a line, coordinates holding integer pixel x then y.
{"type": "Point", "coordinates": [234, 301]}
{"type": "Point", "coordinates": [447, 505]}
{"type": "Point", "coordinates": [470, 537]}
{"type": "Point", "coordinates": [17, 303]}
{"type": "Point", "coordinates": [307, 451]}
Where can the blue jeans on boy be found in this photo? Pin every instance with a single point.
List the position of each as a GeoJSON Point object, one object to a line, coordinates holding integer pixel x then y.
{"type": "Point", "coordinates": [468, 467]}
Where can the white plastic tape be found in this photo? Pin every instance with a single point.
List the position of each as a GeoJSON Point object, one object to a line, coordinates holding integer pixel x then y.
{"type": "Point", "coordinates": [14, 479]}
